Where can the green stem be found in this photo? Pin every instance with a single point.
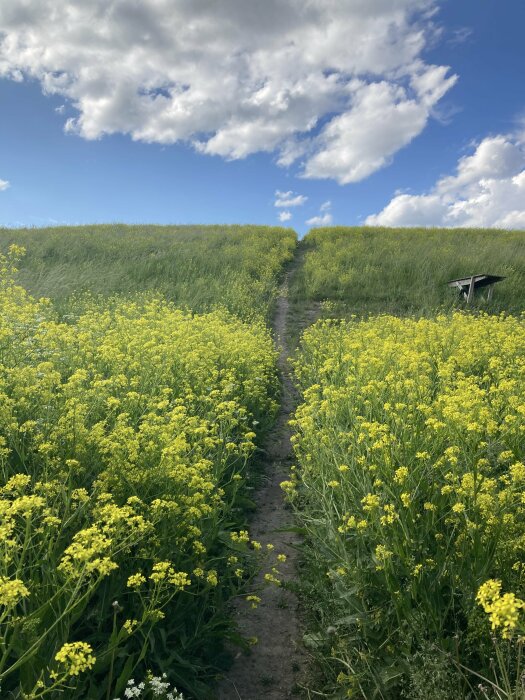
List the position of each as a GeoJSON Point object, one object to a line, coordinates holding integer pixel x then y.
{"type": "Point", "coordinates": [112, 663]}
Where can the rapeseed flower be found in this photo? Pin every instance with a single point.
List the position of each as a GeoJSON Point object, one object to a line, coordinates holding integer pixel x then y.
{"type": "Point", "coordinates": [76, 658]}
{"type": "Point", "coordinates": [129, 417]}
{"type": "Point", "coordinates": [12, 591]}
{"type": "Point", "coordinates": [428, 415]}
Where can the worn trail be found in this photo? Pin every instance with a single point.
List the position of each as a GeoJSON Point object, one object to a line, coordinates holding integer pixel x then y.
{"type": "Point", "coordinates": [273, 668]}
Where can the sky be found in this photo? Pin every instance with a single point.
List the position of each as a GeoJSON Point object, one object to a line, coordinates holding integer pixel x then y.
{"type": "Point", "coordinates": [298, 113]}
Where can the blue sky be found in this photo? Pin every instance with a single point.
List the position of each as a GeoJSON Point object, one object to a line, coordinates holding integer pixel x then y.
{"type": "Point", "coordinates": [106, 117]}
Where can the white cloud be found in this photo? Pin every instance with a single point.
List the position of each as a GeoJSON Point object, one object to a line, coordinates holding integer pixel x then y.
{"type": "Point", "coordinates": [459, 36]}
{"type": "Point", "coordinates": [285, 215]}
{"type": "Point", "coordinates": [324, 217]}
{"type": "Point", "coordinates": [383, 118]}
{"type": "Point", "coordinates": [321, 220]}
{"type": "Point", "coordinates": [289, 199]}
{"type": "Point", "coordinates": [234, 77]}
{"type": "Point", "coordinates": [4, 184]}
{"type": "Point", "coordinates": [487, 190]}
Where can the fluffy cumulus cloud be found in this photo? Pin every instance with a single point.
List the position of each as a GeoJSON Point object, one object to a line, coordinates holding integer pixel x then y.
{"type": "Point", "coordinates": [382, 119]}
{"type": "Point", "coordinates": [4, 184]}
{"type": "Point", "coordinates": [324, 218]}
{"type": "Point", "coordinates": [339, 86]}
{"type": "Point", "coordinates": [285, 215]}
{"type": "Point", "coordinates": [487, 190]}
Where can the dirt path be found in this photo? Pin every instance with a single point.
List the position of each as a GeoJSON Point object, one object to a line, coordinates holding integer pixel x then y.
{"type": "Point", "coordinates": [273, 668]}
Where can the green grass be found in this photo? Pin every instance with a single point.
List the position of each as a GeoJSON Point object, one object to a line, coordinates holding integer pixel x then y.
{"type": "Point", "coordinates": [197, 267]}
{"type": "Point", "coordinates": [405, 271]}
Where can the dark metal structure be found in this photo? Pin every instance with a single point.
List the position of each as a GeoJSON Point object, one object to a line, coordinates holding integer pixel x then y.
{"type": "Point", "coordinates": [468, 285]}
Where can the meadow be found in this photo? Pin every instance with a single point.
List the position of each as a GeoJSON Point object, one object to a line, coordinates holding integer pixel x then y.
{"type": "Point", "coordinates": [127, 431]}
{"type": "Point", "coordinates": [196, 267]}
{"type": "Point", "coordinates": [405, 271]}
{"type": "Point", "coordinates": [138, 380]}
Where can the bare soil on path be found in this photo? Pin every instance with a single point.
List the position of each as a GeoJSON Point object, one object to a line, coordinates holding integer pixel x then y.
{"type": "Point", "coordinates": [273, 669]}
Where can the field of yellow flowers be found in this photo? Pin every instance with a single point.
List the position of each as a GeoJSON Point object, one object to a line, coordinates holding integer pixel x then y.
{"type": "Point", "coordinates": [409, 487]}
{"type": "Point", "coordinates": [125, 432]}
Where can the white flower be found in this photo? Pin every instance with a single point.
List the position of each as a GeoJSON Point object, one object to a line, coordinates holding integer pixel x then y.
{"type": "Point", "coordinates": [158, 687]}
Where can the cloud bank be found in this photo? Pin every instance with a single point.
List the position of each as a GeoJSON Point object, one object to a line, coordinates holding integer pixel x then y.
{"type": "Point", "coordinates": [338, 86]}
{"type": "Point", "coordinates": [487, 190]}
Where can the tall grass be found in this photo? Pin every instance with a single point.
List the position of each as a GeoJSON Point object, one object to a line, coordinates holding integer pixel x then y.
{"type": "Point", "coordinates": [197, 267]}
{"type": "Point", "coordinates": [405, 271]}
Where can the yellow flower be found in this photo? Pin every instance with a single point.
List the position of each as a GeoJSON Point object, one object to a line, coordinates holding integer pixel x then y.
{"type": "Point", "coordinates": [136, 580]}
{"type": "Point", "coordinates": [17, 483]}
{"type": "Point", "coordinates": [517, 472]}
{"type": "Point", "coordinates": [179, 579]}
{"type": "Point", "coordinates": [211, 577]}
{"type": "Point", "coordinates": [76, 657]}
{"type": "Point", "coordinates": [503, 610]}
{"type": "Point", "coordinates": [130, 626]}
{"type": "Point", "coordinates": [370, 502]}
{"type": "Point", "coordinates": [160, 571]}
{"type": "Point", "coordinates": [488, 592]}
{"type": "Point", "coordinates": [383, 554]}
{"type": "Point", "coordinates": [401, 475]}
{"type": "Point", "coordinates": [241, 536]}
{"type": "Point", "coordinates": [12, 591]}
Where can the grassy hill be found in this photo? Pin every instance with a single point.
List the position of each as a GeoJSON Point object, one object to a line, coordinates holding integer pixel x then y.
{"type": "Point", "coordinates": [198, 267]}
{"type": "Point", "coordinates": [403, 271]}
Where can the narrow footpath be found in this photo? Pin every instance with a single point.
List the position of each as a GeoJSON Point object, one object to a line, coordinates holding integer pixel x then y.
{"type": "Point", "coordinates": [274, 667]}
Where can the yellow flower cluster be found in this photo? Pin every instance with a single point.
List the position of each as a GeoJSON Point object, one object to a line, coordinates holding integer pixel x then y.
{"type": "Point", "coordinates": [428, 418]}
{"type": "Point", "coordinates": [163, 571]}
{"type": "Point", "coordinates": [11, 591]}
{"type": "Point", "coordinates": [76, 657]}
{"type": "Point", "coordinates": [503, 610]}
{"type": "Point", "coordinates": [125, 433]}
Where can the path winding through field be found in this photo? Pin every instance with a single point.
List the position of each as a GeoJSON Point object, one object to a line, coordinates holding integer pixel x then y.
{"type": "Point", "coordinates": [274, 667]}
